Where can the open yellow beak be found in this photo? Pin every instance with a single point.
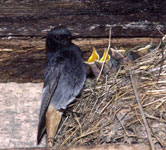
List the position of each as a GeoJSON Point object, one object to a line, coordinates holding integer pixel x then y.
{"type": "Point", "coordinates": [91, 62]}
{"type": "Point", "coordinates": [104, 56]}
{"type": "Point", "coordinates": [94, 56]}
{"type": "Point", "coordinates": [107, 65]}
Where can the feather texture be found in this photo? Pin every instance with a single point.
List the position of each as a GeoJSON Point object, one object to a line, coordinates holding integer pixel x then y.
{"type": "Point", "coordinates": [65, 74]}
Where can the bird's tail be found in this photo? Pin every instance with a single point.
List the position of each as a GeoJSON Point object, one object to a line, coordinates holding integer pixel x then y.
{"type": "Point", "coordinates": [41, 129]}
{"type": "Point", "coordinates": [53, 118]}
{"type": "Point", "coordinates": [56, 36]}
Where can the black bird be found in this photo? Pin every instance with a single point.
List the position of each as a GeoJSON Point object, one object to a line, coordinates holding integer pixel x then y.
{"type": "Point", "coordinates": [65, 74]}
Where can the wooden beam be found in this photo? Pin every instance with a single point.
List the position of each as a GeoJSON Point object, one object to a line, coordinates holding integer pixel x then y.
{"type": "Point", "coordinates": [23, 59]}
{"type": "Point", "coordinates": [84, 18]}
{"type": "Point", "coordinates": [98, 147]}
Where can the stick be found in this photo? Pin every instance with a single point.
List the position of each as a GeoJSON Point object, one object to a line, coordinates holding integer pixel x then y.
{"type": "Point", "coordinates": [142, 112]}
{"type": "Point", "coordinates": [109, 45]}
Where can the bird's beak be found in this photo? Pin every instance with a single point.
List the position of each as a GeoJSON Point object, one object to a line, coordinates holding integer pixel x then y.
{"type": "Point", "coordinates": [144, 50]}
{"type": "Point", "coordinates": [94, 56]}
{"type": "Point", "coordinates": [107, 65]}
{"type": "Point", "coordinates": [104, 56]}
{"type": "Point", "coordinates": [91, 62]}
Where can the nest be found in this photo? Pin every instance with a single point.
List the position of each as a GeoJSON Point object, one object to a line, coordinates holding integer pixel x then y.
{"type": "Point", "coordinates": [107, 112]}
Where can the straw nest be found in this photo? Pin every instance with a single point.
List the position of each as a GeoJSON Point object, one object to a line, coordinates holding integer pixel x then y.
{"type": "Point", "coordinates": [107, 110]}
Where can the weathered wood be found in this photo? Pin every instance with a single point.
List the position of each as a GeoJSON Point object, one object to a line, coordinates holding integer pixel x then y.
{"type": "Point", "coordinates": [84, 18]}
{"type": "Point", "coordinates": [97, 147]}
{"type": "Point", "coordinates": [23, 60]}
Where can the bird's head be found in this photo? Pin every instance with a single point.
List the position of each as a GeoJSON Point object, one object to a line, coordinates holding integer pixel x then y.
{"type": "Point", "coordinates": [57, 35]}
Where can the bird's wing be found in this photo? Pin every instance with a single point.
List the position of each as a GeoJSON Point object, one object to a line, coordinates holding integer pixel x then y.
{"type": "Point", "coordinates": [52, 75]}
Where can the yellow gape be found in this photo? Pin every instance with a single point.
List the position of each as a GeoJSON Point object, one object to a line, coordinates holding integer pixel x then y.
{"type": "Point", "coordinates": [94, 56]}
{"type": "Point", "coordinates": [107, 65]}
{"type": "Point", "coordinates": [104, 55]}
{"type": "Point", "coordinates": [92, 62]}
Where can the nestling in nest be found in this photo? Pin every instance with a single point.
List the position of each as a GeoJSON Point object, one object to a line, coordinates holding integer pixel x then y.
{"type": "Point", "coordinates": [107, 112]}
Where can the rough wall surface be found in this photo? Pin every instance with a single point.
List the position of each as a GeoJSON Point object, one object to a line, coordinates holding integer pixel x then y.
{"type": "Point", "coordinates": [83, 17]}
{"type": "Point", "coordinates": [19, 113]}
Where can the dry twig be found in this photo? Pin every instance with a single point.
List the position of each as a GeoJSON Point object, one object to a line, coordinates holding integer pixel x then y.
{"type": "Point", "coordinates": [109, 46]}
{"type": "Point", "coordinates": [142, 112]}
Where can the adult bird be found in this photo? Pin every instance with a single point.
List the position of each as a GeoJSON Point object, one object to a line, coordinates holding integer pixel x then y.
{"type": "Point", "coordinates": [65, 74]}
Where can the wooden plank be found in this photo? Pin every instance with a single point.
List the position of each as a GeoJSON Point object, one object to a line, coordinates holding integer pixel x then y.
{"type": "Point", "coordinates": [96, 147]}
{"type": "Point", "coordinates": [84, 18]}
{"type": "Point", "coordinates": [23, 59]}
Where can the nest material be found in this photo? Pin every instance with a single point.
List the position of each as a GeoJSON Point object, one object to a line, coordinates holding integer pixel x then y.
{"type": "Point", "coordinates": [107, 111]}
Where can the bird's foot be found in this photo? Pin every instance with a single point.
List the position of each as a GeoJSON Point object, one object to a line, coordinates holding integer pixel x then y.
{"type": "Point", "coordinates": [50, 142]}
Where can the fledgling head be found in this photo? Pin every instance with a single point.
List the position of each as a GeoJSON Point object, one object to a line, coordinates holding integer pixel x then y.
{"type": "Point", "coordinates": [56, 36]}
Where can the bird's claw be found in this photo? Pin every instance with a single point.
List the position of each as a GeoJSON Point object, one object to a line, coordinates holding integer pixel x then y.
{"type": "Point", "coordinates": [50, 142]}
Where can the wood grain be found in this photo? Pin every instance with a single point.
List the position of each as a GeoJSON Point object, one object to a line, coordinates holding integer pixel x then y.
{"type": "Point", "coordinates": [96, 147]}
{"type": "Point", "coordinates": [84, 18]}
{"type": "Point", "coordinates": [23, 59]}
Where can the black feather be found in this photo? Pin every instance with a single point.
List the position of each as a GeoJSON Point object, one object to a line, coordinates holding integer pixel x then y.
{"type": "Point", "coordinates": [64, 76]}
{"type": "Point", "coordinates": [58, 35]}
{"type": "Point", "coordinates": [52, 76]}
